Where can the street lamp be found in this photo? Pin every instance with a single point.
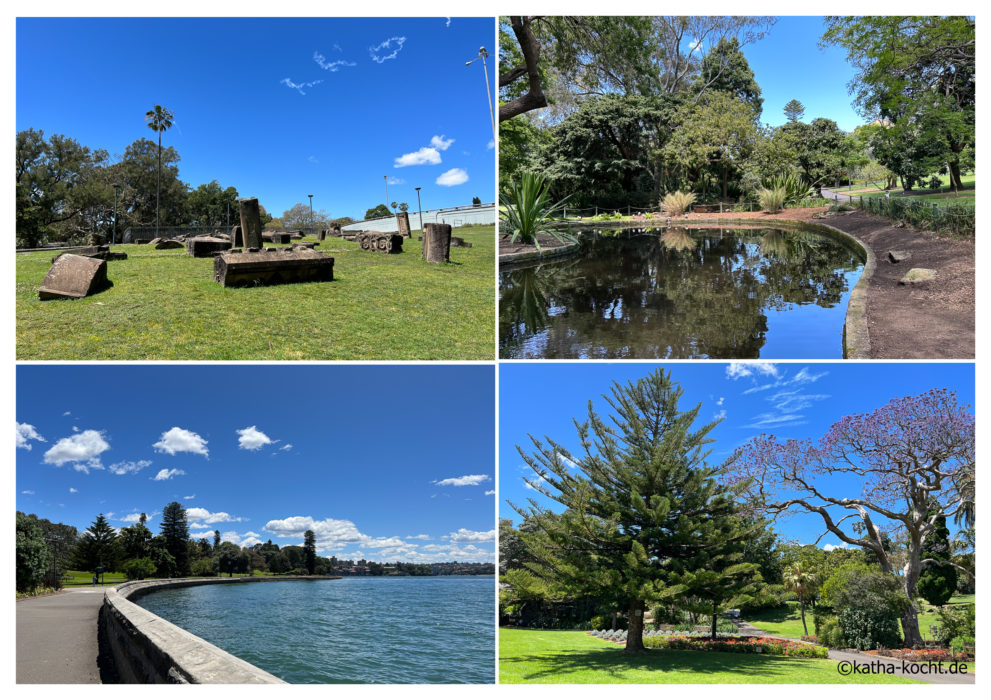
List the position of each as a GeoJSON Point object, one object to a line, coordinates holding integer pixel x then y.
{"type": "Point", "coordinates": [311, 213]}
{"type": "Point", "coordinates": [483, 54]}
{"type": "Point", "coordinates": [386, 178]}
{"type": "Point", "coordinates": [113, 236]}
{"type": "Point", "coordinates": [419, 208]}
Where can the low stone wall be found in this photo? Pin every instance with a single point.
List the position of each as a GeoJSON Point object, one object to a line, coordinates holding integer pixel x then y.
{"type": "Point", "coordinates": [145, 648]}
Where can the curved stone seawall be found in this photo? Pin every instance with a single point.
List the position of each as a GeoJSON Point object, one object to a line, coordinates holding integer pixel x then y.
{"type": "Point", "coordinates": [145, 648]}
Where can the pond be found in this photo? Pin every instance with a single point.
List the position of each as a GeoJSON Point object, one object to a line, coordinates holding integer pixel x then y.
{"type": "Point", "coordinates": [723, 293]}
{"type": "Point", "coordinates": [359, 629]}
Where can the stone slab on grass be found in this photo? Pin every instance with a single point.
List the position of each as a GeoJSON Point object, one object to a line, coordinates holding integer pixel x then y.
{"type": "Point", "coordinates": [917, 275]}
{"type": "Point", "coordinates": [264, 268]}
{"type": "Point", "coordinates": [74, 277]}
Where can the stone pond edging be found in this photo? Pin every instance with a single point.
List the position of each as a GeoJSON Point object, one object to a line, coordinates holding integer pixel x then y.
{"type": "Point", "coordinates": [544, 253]}
{"type": "Point", "coordinates": [146, 648]}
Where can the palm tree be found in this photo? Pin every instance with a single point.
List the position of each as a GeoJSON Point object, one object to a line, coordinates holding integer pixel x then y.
{"type": "Point", "coordinates": [803, 583]}
{"type": "Point", "coordinates": [159, 119]}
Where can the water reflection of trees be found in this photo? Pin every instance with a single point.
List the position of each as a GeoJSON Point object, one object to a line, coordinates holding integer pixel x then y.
{"type": "Point", "coordinates": [644, 293]}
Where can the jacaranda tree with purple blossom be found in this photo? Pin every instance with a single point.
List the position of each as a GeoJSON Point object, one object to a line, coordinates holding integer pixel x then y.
{"type": "Point", "coordinates": [914, 459]}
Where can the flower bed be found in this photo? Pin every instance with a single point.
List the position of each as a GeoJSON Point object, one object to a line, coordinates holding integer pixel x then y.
{"type": "Point", "coordinates": [921, 654]}
{"type": "Point", "coordinates": [740, 645]}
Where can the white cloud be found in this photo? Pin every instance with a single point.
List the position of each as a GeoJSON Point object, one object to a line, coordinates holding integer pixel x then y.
{"type": "Point", "coordinates": [26, 432]}
{"type": "Point", "coordinates": [136, 517]}
{"type": "Point", "coordinates": [721, 401]}
{"type": "Point", "coordinates": [82, 450]}
{"type": "Point", "coordinates": [418, 537]}
{"type": "Point", "coordinates": [286, 447]}
{"type": "Point", "coordinates": [202, 515]}
{"type": "Point", "coordinates": [466, 480]}
{"type": "Point", "coordinates": [396, 181]}
{"type": "Point", "coordinates": [180, 440]}
{"type": "Point", "coordinates": [395, 44]}
{"type": "Point", "coordinates": [333, 66]}
{"type": "Point", "coordinates": [425, 156]}
{"type": "Point", "coordinates": [28, 492]}
{"type": "Point", "coordinates": [251, 438]}
{"type": "Point", "coordinates": [189, 498]}
{"type": "Point", "coordinates": [448, 24]}
{"type": "Point", "coordinates": [166, 474]}
{"type": "Point", "coordinates": [454, 176]}
{"type": "Point", "coordinates": [129, 467]}
{"type": "Point", "coordinates": [440, 143]}
{"type": "Point", "coordinates": [490, 493]}
{"type": "Point", "coordinates": [248, 539]}
{"type": "Point", "coordinates": [299, 86]}
{"type": "Point", "coordinates": [721, 414]}
{"type": "Point", "coordinates": [735, 370]}
{"type": "Point", "coordinates": [831, 547]}
{"type": "Point", "coordinates": [312, 159]}
{"type": "Point", "coordinates": [330, 533]}
{"type": "Point", "coordinates": [72, 490]}
{"type": "Point", "coordinates": [463, 535]}
{"type": "Point", "coordinates": [67, 413]}
{"type": "Point", "coordinates": [491, 144]}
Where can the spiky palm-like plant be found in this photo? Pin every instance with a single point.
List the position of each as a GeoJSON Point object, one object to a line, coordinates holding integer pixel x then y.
{"type": "Point", "coordinates": [802, 582]}
{"type": "Point", "coordinates": [527, 210]}
{"type": "Point", "coordinates": [159, 119]}
{"type": "Point", "coordinates": [677, 203]}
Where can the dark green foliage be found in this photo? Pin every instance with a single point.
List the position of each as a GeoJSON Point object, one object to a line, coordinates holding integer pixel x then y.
{"type": "Point", "coordinates": [98, 546]}
{"type": "Point", "coordinates": [938, 581]}
{"type": "Point", "coordinates": [377, 212]}
{"type": "Point", "coordinates": [725, 69]}
{"type": "Point", "coordinates": [140, 568]}
{"type": "Point", "coordinates": [228, 559]}
{"type": "Point", "coordinates": [135, 540]}
{"type": "Point", "coordinates": [209, 205]}
{"type": "Point", "coordinates": [310, 552]}
{"type": "Point", "coordinates": [165, 563]}
{"type": "Point", "coordinates": [32, 554]}
{"type": "Point", "coordinates": [956, 622]}
{"type": "Point", "coordinates": [175, 531]}
{"type": "Point", "coordinates": [869, 629]}
{"type": "Point", "coordinates": [645, 518]}
{"type": "Point", "coordinates": [203, 566]}
{"type": "Point", "coordinates": [794, 111]}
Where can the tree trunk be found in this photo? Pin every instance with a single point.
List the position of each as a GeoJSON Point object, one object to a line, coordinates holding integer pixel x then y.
{"type": "Point", "coordinates": [910, 627]}
{"type": "Point", "coordinates": [634, 635]}
{"type": "Point", "coordinates": [955, 180]}
{"type": "Point", "coordinates": [805, 628]}
{"type": "Point", "coordinates": [725, 181]}
{"type": "Point", "coordinates": [714, 618]}
{"type": "Point", "coordinates": [158, 185]}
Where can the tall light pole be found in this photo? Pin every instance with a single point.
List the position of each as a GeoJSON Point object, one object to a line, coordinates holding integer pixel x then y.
{"type": "Point", "coordinates": [113, 236]}
{"type": "Point", "coordinates": [483, 54]}
{"type": "Point", "coordinates": [386, 178]}
{"type": "Point", "coordinates": [311, 213]}
{"type": "Point", "coordinates": [419, 208]}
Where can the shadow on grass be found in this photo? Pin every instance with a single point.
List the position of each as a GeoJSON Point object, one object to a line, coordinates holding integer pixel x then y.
{"type": "Point", "coordinates": [615, 663]}
{"type": "Point", "coordinates": [783, 613]}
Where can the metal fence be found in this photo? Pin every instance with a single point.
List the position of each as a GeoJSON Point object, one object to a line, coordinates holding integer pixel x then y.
{"type": "Point", "coordinates": [955, 218]}
{"type": "Point", "coordinates": [484, 214]}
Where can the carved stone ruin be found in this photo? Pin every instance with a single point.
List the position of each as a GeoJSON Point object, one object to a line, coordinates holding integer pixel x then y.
{"type": "Point", "coordinates": [166, 243]}
{"type": "Point", "coordinates": [206, 246]}
{"type": "Point", "coordinates": [74, 277]}
{"type": "Point", "coordinates": [101, 252]}
{"type": "Point", "coordinates": [381, 242]}
{"type": "Point", "coordinates": [334, 231]}
{"type": "Point", "coordinates": [276, 237]}
{"type": "Point", "coordinates": [402, 219]}
{"type": "Point", "coordinates": [457, 242]}
{"type": "Point", "coordinates": [253, 266]}
{"type": "Point", "coordinates": [251, 223]}
{"type": "Point", "coordinates": [237, 238]}
{"type": "Point", "coordinates": [283, 266]}
{"type": "Point", "coordinates": [322, 234]}
{"type": "Point", "coordinates": [437, 243]}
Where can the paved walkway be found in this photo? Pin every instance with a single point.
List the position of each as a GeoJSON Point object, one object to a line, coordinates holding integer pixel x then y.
{"type": "Point", "coordinates": [878, 664]}
{"type": "Point", "coordinates": [836, 195]}
{"type": "Point", "coordinates": [57, 637]}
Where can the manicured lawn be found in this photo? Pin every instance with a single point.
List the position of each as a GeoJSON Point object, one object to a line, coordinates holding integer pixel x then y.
{"type": "Point", "coordinates": [928, 616]}
{"type": "Point", "coordinates": [785, 621]}
{"type": "Point", "coordinates": [164, 305]}
{"type": "Point", "coordinates": [965, 196]}
{"type": "Point", "coordinates": [554, 656]}
{"type": "Point", "coordinates": [85, 578]}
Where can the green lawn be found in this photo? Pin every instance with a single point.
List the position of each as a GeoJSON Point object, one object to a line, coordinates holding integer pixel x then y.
{"type": "Point", "coordinates": [85, 578]}
{"type": "Point", "coordinates": [554, 656]}
{"type": "Point", "coordinates": [164, 305]}
{"type": "Point", "coordinates": [965, 196]}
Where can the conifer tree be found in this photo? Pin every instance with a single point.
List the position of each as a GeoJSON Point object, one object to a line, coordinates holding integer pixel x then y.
{"type": "Point", "coordinates": [644, 519]}
{"type": "Point", "coordinates": [175, 531]}
{"type": "Point", "coordinates": [310, 551]}
{"type": "Point", "coordinates": [98, 546]}
{"type": "Point", "coordinates": [938, 581]}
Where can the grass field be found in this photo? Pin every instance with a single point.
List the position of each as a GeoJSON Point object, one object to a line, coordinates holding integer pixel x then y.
{"type": "Point", "coordinates": [965, 196]}
{"type": "Point", "coordinates": [787, 621]}
{"type": "Point", "coordinates": [164, 305]}
{"type": "Point", "coordinates": [555, 656]}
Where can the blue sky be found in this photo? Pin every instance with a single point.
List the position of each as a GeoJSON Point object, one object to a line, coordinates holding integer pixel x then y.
{"type": "Point", "coordinates": [786, 399]}
{"type": "Point", "coordinates": [788, 64]}
{"type": "Point", "coordinates": [278, 108]}
{"type": "Point", "coordinates": [382, 462]}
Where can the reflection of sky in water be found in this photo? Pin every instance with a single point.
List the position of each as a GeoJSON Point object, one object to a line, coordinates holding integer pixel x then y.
{"type": "Point", "coordinates": [723, 294]}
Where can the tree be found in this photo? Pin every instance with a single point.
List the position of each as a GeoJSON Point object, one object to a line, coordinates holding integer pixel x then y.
{"type": "Point", "coordinates": [915, 67]}
{"type": "Point", "coordinates": [138, 569]}
{"type": "Point", "coordinates": [803, 583]}
{"type": "Point", "coordinates": [905, 454]}
{"type": "Point", "coordinates": [32, 554]}
{"type": "Point", "coordinates": [725, 69]}
{"type": "Point", "coordinates": [794, 110]}
{"type": "Point", "coordinates": [938, 581]}
{"type": "Point", "coordinates": [135, 540]}
{"type": "Point", "coordinates": [643, 515]}
{"type": "Point", "coordinates": [138, 174]}
{"type": "Point", "coordinates": [475, 202]}
{"type": "Point", "coordinates": [209, 205]}
{"type": "Point", "coordinates": [377, 212]}
{"type": "Point", "coordinates": [216, 538]}
{"type": "Point", "coordinates": [175, 531]}
{"type": "Point", "coordinates": [227, 558]}
{"type": "Point", "coordinates": [821, 148]}
{"type": "Point", "coordinates": [98, 546]}
{"type": "Point", "coordinates": [310, 551]}
{"type": "Point", "coordinates": [159, 119]}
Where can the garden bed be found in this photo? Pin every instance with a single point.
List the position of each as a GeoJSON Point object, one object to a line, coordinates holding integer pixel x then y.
{"type": "Point", "coordinates": [774, 646]}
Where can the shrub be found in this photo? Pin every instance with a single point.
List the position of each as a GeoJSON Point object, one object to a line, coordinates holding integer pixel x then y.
{"type": "Point", "coordinates": [772, 200]}
{"type": "Point", "coordinates": [870, 629]}
{"type": "Point", "coordinates": [962, 645]}
{"type": "Point", "coordinates": [677, 203]}
{"type": "Point", "coordinates": [956, 622]}
{"type": "Point", "coordinates": [139, 568]}
{"type": "Point", "coordinates": [794, 185]}
{"type": "Point", "coordinates": [934, 183]}
{"type": "Point", "coordinates": [527, 210]}
{"type": "Point", "coordinates": [739, 645]}
{"type": "Point", "coordinates": [829, 633]}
